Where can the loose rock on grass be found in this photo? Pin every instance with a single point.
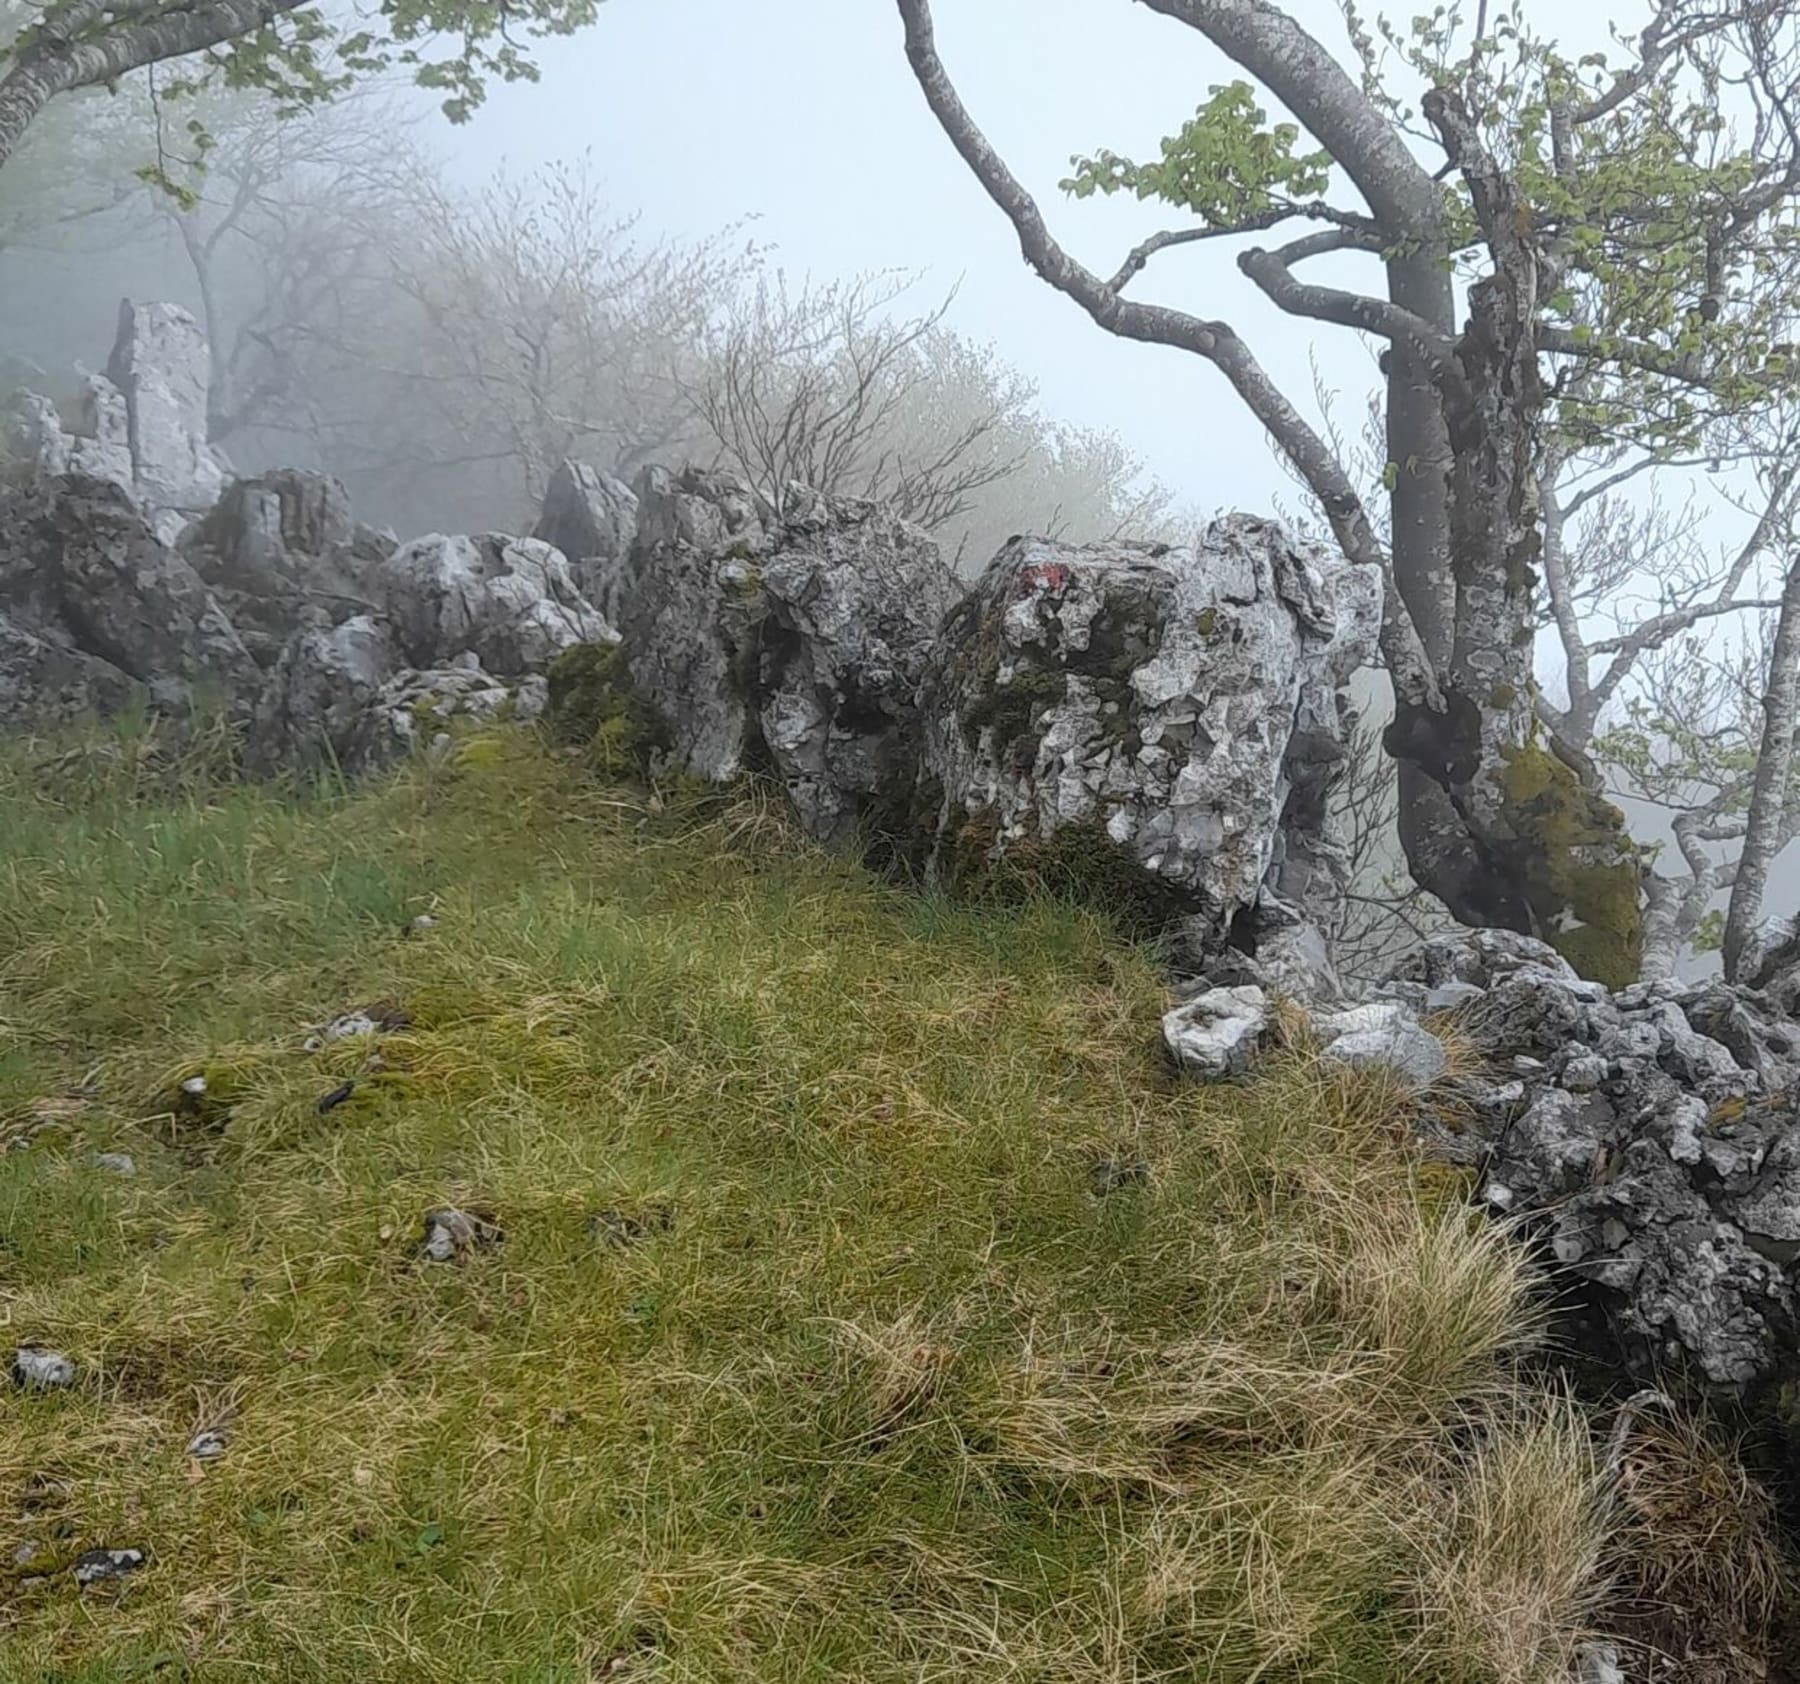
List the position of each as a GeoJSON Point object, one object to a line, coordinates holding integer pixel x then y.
{"type": "Point", "coordinates": [106, 1566]}
{"type": "Point", "coordinates": [450, 1232]}
{"type": "Point", "coordinates": [37, 1370]}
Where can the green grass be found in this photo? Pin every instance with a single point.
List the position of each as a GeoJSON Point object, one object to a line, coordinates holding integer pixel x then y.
{"type": "Point", "coordinates": [882, 1385]}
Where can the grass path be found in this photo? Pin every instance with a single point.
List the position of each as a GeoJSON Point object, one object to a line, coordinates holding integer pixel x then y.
{"type": "Point", "coordinates": [871, 1304]}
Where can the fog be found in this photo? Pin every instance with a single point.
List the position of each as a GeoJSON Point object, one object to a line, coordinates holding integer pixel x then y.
{"type": "Point", "coordinates": [791, 126]}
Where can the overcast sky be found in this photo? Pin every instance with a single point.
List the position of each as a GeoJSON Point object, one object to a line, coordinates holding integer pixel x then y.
{"type": "Point", "coordinates": [804, 113]}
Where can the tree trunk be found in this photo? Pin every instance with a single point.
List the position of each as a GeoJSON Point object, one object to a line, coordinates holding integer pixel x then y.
{"type": "Point", "coordinates": [1766, 827]}
{"type": "Point", "coordinates": [1528, 844]}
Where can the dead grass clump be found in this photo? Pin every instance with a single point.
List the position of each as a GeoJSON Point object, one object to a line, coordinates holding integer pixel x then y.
{"type": "Point", "coordinates": [1508, 1578]}
{"type": "Point", "coordinates": [1701, 1577]}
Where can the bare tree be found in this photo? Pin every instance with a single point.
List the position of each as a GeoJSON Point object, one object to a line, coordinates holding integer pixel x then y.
{"type": "Point", "coordinates": [1605, 220]}
{"type": "Point", "coordinates": [824, 386]}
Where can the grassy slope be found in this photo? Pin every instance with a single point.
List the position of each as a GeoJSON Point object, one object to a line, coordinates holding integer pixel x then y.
{"type": "Point", "coordinates": [896, 1393]}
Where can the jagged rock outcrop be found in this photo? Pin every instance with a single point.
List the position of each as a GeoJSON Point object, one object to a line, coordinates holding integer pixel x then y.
{"type": "Point", "coordinates": [142, 425]}
{"type": "Point", "coordinates": [792, 643]}
{"type": "Point", "coordinates": [1650, 1137]}
{"type": "Point", "coordinates": [510, 601]}
{"type": "Point", "coordinates": [44, 685]}
{"type": "Point", "coordinates": [162, 365]}
{"type": "Point", "coordinates": [344, 695]}
{"type": "Point", "coordinates": [281, 547]}
{"type": "Point", "coordinates": [82, 569]}
{"type": "Point", "coordinates": [592, 518]}
{"type": "Point", "coordinates": [1177, 710]}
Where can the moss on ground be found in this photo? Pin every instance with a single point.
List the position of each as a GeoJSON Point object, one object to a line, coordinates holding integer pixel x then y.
{"type": "Point", "coordinates": [811, 1350]}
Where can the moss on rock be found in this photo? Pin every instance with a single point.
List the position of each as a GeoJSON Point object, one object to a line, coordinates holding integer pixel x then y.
{"type": "Point", "coordinates": [1581, 873]}
{"type": "Point", "coordinates": [1012, 708]}
{"type": "Point", "coordinates": [594, 705]}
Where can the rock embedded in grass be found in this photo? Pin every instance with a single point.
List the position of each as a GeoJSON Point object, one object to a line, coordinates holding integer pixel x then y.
{"type": "Point", "coordinates": [106, 1566]}
{"type": "Point", "coordinates": [115, 1163]}
{"type": "Point", "coordinates": [1216, 1033]}
{"type": "Point", "coordinates": [450, 1232]}
{"type": "Point", "coordinates": [35, 1369]}
{"type": "Point", "coordinates": [209, 1444]}
{"type": "Point", "coordinates": [1383, 1034]}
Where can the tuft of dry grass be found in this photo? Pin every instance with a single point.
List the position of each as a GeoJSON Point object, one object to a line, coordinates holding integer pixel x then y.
{"type": "Point", "coordinates": [1702, 1578]}
{"type": "Point", "coordinates": [867, 1302]}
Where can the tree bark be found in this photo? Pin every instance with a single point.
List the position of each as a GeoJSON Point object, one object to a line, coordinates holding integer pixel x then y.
{"type": "Point", "coordinates": [1766, 824]}
{"type": "Point", "coordinates": [53, 63]}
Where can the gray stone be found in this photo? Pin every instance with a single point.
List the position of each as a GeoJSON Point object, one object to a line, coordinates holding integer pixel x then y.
{"type": "Point", "coordinates": [591, 518]}
{"type": "Point", "coordinates": [1186, 705]}
{"type": "Point", "coordinates": [1381, 1034]}
{"type": "Point", "coordinates": [35, 1369]}
{"type": "Point", "coordinates": [413, 710]}
{"type": "Point", "coordinates": [46, 685]}
{"type": "Point", "coordinates": [106, 1566]}
{"type": "Point", "coordinates": [116, 1163]}
{"type": "Point", "coordinates": [854, 600]}
{"type": "Point", "coordinates": [160, 362]}
{"type": "Point", "coordinates": [510, 602]}
{"type": "Point", "coordinates": [1648, 1138]}
{"type": "Point", "coordinates": [1216, 1033]}
{"type": "Point", "coordinates": [796, 642]}
{"type": "Point", "coordinates": [450, 1233]}
{"type": "Point", "coordinates": [209, 1444]}
{"type": "Point", "coordinates": [1598, 1663]}
{"type": "Point", "coordinates": [119, 593]}
{"type": "Point", "coordinates": [326, 679]}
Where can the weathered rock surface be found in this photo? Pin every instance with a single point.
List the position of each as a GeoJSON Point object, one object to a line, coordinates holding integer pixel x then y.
{"type": "Point", "coordinates": [1383, 1035]}
{"type": "Point", "coordinates": [44, 685]}
{"type": "Point", "coordinates": [282, 548]}
{"type": "Point", "coordinates": [592, 518]}
{"type": "Point", "coordinates": [345, 694]}
{"type": "Point", "coordinates": [323, 681]}
{"type": "Point", "coordinates": [1650, 1137]}
{"type": "Point", "coordinates": [511, 602]}
{"type": "Point", "coordinates": [35, 1369]}
{"type": "Point", "coordinates": [82, 569]}
{"type": "Point", "coordinates": [1180, 706]}
{"type": "Point", "coordinates": [161, 364]}
{"type": "Point", "coordinates": [794, 644]}
{"type": "Point", "coordinates": [415, 709]}
{"type": "Point", "coordinates": [1217, 1032]}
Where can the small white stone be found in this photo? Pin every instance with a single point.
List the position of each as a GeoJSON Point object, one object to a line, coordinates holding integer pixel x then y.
{"type": "Point", "coordinates": [38, 1370]}
{"type": "Point", "coordinates": [208, 1445]}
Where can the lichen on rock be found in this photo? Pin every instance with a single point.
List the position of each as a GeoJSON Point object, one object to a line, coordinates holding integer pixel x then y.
{"type": "Point", "coordinates": [1143, 722]}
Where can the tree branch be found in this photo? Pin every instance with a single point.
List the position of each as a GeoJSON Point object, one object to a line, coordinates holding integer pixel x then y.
{"type": "Point", "coordinates": [1272, 271]}
{"type": "Point", "coordinates": [1366, 237]}
{"type": "Point", "coordinates": [52, 65]}
{"type": "Point", "coordinates": [1218, 342]}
